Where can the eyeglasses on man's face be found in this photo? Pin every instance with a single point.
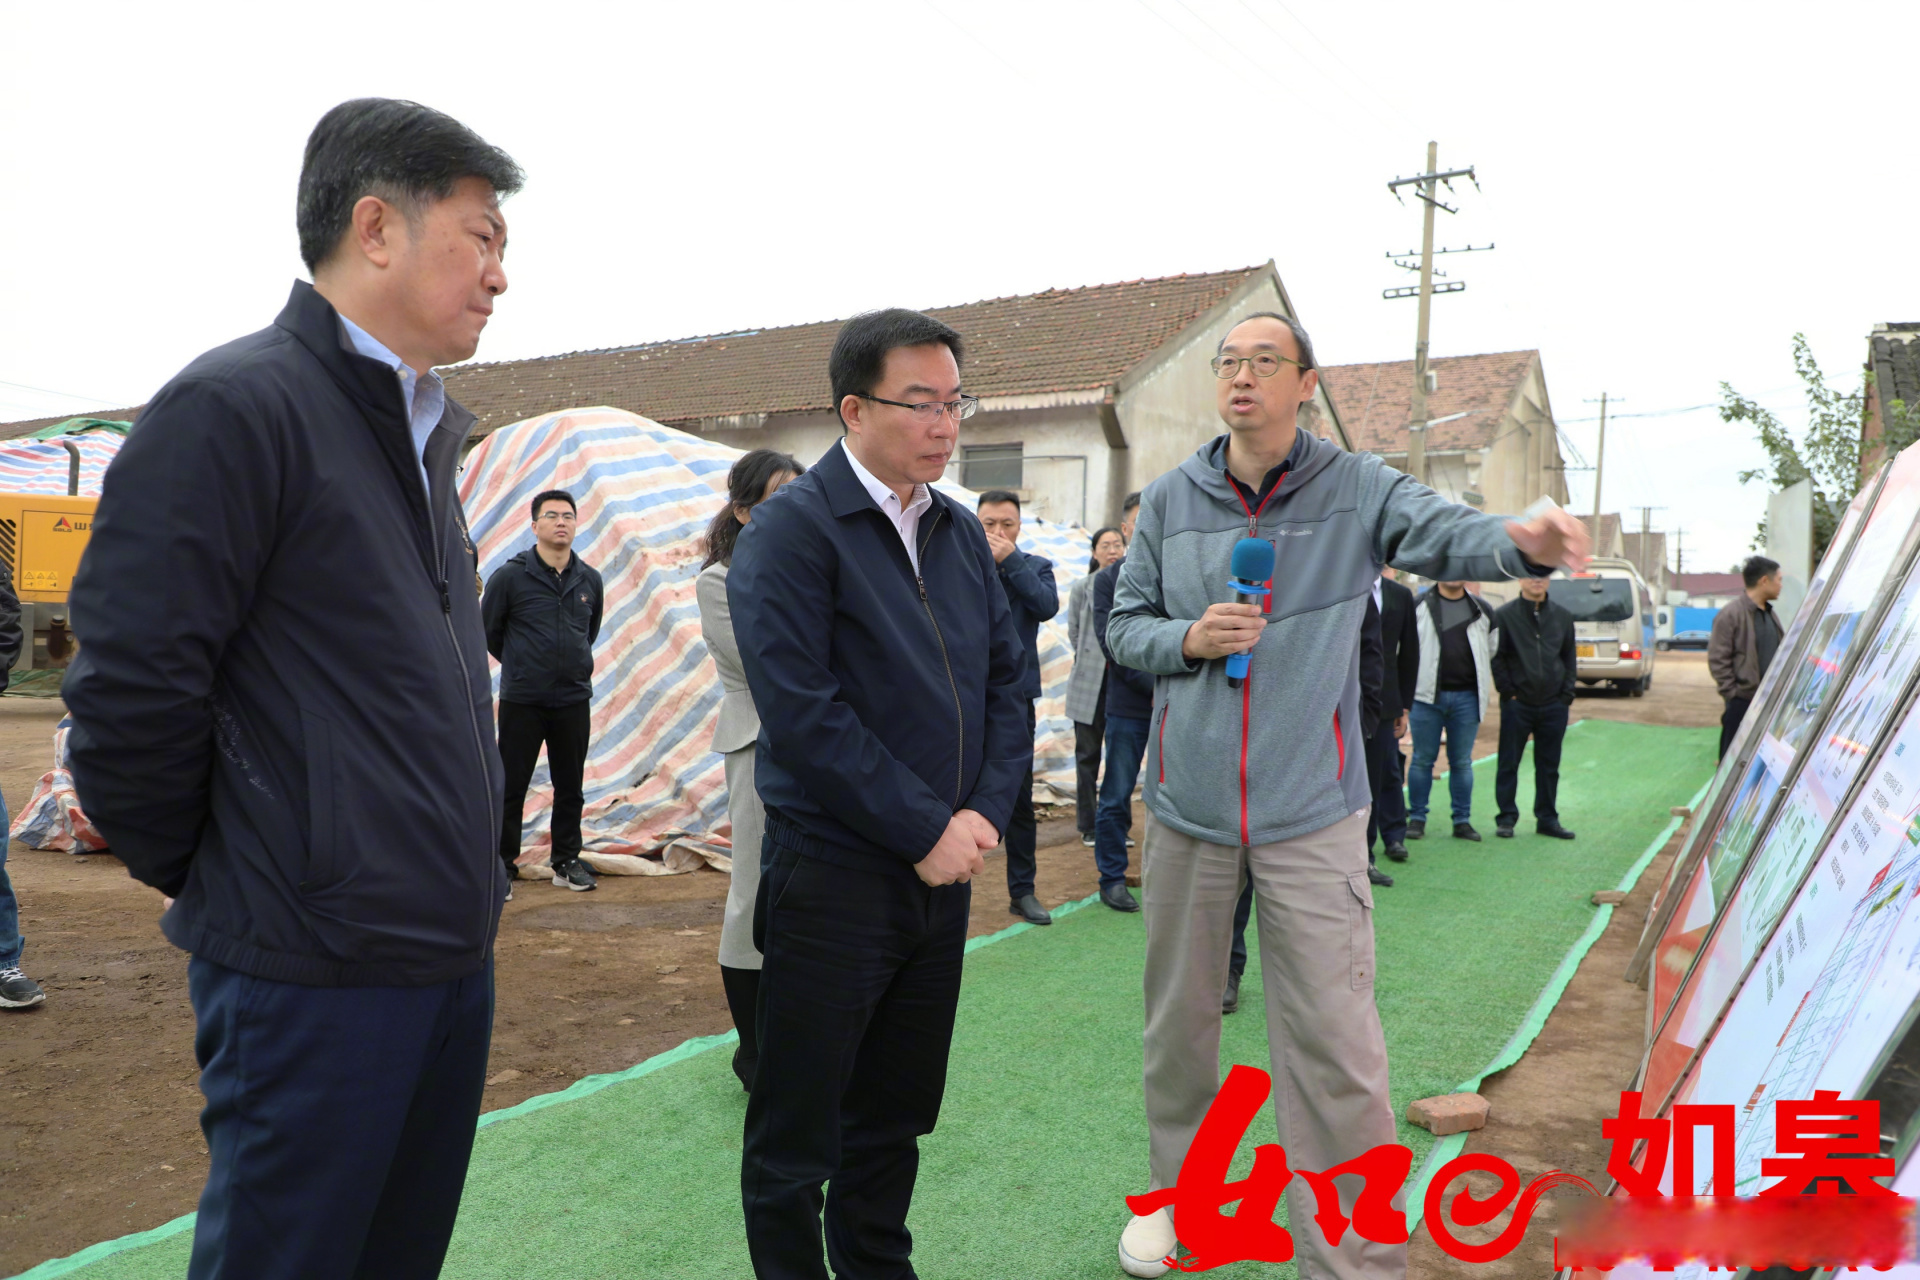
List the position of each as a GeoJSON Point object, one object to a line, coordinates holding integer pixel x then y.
{"type": "Point", "coordinates": [928, 412]}
{"type": "Point", "coordinates": [1265, 364]}
{"type": "Point", "coordinates": [566, 517]}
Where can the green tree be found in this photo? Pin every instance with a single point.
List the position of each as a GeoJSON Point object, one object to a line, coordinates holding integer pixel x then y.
{"type": "Point", "coordinates": [1828, 451]}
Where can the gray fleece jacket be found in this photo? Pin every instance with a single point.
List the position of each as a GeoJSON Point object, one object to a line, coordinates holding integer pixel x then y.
{"type": "Point", "coordinates": [1281, 756]}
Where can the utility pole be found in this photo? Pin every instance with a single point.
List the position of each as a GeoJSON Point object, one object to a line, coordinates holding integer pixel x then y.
{"type": "Point", "coordinates": [1426, 189]}
{"type": "Point", "coordinates": [1417, 423]}
{"type": "Point", "coordinates": [1599, 463]}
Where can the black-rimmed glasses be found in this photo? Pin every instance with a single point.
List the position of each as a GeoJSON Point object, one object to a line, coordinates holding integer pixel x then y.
{"type": "Point", "coordinates": [928, 411]}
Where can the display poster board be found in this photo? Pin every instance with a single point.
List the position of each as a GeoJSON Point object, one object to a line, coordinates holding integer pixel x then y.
{"type": "Point", "coordinates": [1808, 688]}
{"type": "Point", "coordinates": [1728, 916]}
{"type": "Point", "coordinates": [1682, 874]}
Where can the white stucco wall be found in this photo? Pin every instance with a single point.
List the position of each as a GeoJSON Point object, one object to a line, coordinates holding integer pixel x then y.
{"type": "Point", "coordinates": [1169, 411]}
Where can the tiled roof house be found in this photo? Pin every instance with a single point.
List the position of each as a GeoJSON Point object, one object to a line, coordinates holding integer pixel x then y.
{"type": "Point", "coordinates": [1086, 394]}
{"type": "Point", "coordinates": [1492, 441]}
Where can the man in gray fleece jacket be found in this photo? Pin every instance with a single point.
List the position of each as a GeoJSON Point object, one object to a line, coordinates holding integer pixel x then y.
{"type": "Point", "coordinates": [1269, 780]}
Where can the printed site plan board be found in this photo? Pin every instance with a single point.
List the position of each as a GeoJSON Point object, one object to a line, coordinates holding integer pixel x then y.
{"type": "Point", "coordinates": [1682, 906]}
{"type": "Point", "coordinates": [1733, 899]}
{"type": "Point", "coordinates": [1809, 976]}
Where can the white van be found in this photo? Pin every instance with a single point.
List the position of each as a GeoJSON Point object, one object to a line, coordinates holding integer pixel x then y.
{"type": "Point", "coordinates": [1613, 623]}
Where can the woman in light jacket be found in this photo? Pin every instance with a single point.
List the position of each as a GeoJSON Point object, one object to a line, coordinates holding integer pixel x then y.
{"type": "Point", "coordinates": [753, 480]}
{"type": "Point", "coordinates": [1087, 685]}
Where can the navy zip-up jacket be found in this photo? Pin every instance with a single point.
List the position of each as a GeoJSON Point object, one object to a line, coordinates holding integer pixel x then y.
{"type": "Point", "coordinates": [281, 711]}
{"type": "Point", "coordinates": [1028, 580]}
{"type": "Point", "coordinates": [888, 701]}
{"type": "Point", "coordinates": [542, 626]}
{"type": "Point", "coordinates": [1129, 692]}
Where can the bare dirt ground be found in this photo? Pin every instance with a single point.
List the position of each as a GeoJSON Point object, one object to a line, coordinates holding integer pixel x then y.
{"type": "Point", "coordinates": [99, 1100]}
{"type": "Point", "coordinates": [99, 1105]}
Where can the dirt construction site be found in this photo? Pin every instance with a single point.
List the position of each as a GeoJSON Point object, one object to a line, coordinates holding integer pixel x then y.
{"type": "Point", "coordinates": [99, 1133]}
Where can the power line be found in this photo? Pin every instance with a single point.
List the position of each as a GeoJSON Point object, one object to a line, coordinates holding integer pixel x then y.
{"type": "Point", "coordinates": [1335, 81]}
{"type": "Point", "coordinates": [1358, 78]}
{"type": "Point", "coordinates": [69, 395]}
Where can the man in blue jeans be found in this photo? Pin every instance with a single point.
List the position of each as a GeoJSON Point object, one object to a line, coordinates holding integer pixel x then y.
{"type": "Point", "coordinates": [1457, 642]}
{"type": "Point", "coordinates": [17, 990]}
{"type": "Point", "coordinates": [1129, 720]}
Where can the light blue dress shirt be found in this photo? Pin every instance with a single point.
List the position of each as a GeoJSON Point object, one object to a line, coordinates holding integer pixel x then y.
{"type": "Point", "coordinates": [425, 398]}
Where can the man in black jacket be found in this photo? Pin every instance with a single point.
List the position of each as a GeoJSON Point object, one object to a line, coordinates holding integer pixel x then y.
{"type": "Point", "coordinates": [881, 654]}
{"type": "Point", "coordinates": [281, 710]}
{"type": "Point", "coordinates": [542, 612]}
{"type": "Point", "coordinates": [1386, 767]}
{"type": "Point", "coordinates": [1534, 670]}
{"type": "Point", "coordinates": [1129, 720]}
{"type": "Point", "coordinates": [1028, 580]}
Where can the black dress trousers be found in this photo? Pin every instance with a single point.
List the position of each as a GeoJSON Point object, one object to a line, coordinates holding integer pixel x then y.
{"type": "Point", "coordinates": [857, 999]}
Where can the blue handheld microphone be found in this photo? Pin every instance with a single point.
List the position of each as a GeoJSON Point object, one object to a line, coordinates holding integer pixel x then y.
{"type": "Point", "coordinates": [1252, 569]}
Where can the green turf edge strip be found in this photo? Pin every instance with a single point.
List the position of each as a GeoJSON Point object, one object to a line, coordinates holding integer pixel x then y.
{"type": "Point", "coordinates": [578, 1089]}
{"type": "Point", "coordinates": [106, 1248]}
{"type": "Point", "coordinates": [1530, 1026]}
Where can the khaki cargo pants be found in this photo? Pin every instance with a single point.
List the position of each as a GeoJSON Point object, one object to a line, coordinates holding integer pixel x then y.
{"type": "Point", "coordinates": [1314, 908]}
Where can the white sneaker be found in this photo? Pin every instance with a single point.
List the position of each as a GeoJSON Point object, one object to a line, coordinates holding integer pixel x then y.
{"type": "Point", "coordinates": [1145, 1244]}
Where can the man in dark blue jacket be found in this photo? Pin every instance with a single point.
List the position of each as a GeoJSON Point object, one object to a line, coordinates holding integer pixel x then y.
{"type": "Point", "coordinates": [1028, 580]}
{"type": "Point", "coordinates": [542, 612]}
{"type": "Point", "coordinates": [281, 713]}
{"type": "Point", "coordinates": [1129, 713]}
{"type": "Point", "coordinates": [882, 657]}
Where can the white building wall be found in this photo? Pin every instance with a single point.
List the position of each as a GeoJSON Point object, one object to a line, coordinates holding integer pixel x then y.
{"type": "Point", "coordinates": [1171, 409]}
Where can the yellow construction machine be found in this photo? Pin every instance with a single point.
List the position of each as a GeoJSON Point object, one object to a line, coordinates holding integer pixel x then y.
{"type": "Point", "coordinates": [41, 539]}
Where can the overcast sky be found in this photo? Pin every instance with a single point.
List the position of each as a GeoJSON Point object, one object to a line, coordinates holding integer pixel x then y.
{"type": "Point", "coordinates": [1674, 190]}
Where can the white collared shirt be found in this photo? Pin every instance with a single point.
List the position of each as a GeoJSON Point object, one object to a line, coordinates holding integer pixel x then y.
{"type": "Point", "coordinates": [425, 398]}
{"type": "Point", "coordinates": [906, 520]}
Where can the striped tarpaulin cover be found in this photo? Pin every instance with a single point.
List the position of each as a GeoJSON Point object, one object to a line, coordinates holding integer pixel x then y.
{"type": "Point", "coordinates": [40, 466]}
{"type": "Point", "coordinates": [646, 493]}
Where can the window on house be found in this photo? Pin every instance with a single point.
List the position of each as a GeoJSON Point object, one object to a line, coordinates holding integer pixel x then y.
{"type": "Point", "coordinates": [990, 466]}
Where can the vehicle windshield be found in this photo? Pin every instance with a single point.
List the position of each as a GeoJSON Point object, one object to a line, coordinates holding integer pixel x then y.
{"type": "Point", "coordinates": [1593, 599]}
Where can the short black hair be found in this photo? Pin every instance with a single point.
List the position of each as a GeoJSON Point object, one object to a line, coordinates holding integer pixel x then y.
{"type": "Point", "coordinates": [1300, 337]}
{"type": "Point", "coordinates": [1756, 568]}
{"type": "Point", "coordinates": [860, 352]}
{"type": "Point", "coordinates": [406, 154]}
{"type": "Point", "coordinates": [553, 495]}
{"type": "Point", "coordinates": [998, 495]}
{"type": "Point", "coordinates": [1133, 500]}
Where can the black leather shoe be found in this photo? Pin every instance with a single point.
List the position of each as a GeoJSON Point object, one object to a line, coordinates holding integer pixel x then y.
{"type": "Point", "coordinates": [1465, 831]}
{"type": "Point", "coordinates": [743, 1069]}
{"type": "Point", "coordinates": [1117, 897]}
{"type": "Point", "coordinates": [1503, 831]}
{"type": "Point", "coordinates": [1230, 1002]}
{"type": "Point", "coordinates": [1398, 852]}
{"type": "Point", "coordinates": [1028, 908]}
{"type": "Point", "coordinates": [1376, 876]}
{"type": "Point", "coordinates": [1555, 830]}
{"type": "Point", "coordinates": [1417, 829]}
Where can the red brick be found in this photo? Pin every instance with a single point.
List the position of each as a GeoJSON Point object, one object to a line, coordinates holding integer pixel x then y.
{"type": "Point", "coordinates": [1448, 1113]}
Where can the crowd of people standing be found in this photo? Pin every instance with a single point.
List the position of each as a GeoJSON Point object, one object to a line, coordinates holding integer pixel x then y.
{"type": "Point", "coordinates": [284, 722]}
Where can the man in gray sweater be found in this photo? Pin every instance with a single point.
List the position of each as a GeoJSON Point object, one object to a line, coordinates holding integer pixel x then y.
{"type": "Point", "coordinates": [1269, 780]}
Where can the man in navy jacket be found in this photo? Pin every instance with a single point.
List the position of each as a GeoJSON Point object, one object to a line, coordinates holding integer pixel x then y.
{"type": "Point", "coordinates": [882, 657]}
{"type": "Point", "coordinates": [1028, 582]}
{"type": "Point", "coordinates": [282, 719]}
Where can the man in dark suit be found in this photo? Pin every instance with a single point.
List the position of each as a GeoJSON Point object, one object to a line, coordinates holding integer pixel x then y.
{"type": "Point", "coordinates": [1028, 580]}
{"type": "Point", "coordinates": [881, 654]}
{"type": "Point", "coordinates": [282, 716]}
{"type": "Point", "coordinates": [1400, 652]}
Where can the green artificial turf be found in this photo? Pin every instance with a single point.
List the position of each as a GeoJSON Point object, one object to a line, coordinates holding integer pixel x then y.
{"type": "Point", "coordinates": [1042, 1132]}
